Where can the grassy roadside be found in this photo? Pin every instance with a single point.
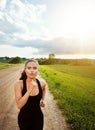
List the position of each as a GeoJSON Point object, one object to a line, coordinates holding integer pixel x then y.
{"type": "Point", "coordinates": [6, 65]}
{"type": "Point", "coordinates": [74, 88]}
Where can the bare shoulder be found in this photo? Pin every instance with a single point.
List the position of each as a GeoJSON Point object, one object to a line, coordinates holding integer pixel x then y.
{"type": "Point", "coordinates": [42, 82]}
{"type": "Point", "coordinates": [18, 84]}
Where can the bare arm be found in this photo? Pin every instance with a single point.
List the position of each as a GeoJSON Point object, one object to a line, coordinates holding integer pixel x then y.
{"type": "Point", "coordinates": [43, 91]}
{"type": "Point", "coordinates": [21, 100]}
{"type": "Point", "coordinates": [43, 85]}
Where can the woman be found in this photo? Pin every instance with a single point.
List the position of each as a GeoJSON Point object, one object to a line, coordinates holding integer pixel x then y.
{"type": "Point", "coordinates": [29, 94]}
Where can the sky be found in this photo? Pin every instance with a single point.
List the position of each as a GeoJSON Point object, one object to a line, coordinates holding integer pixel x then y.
{"type": "Point", "coordinates": [36, 28]}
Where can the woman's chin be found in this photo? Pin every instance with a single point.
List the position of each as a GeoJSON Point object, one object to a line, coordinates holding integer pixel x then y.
{"type": "Point", "coordinates": [31, 77]}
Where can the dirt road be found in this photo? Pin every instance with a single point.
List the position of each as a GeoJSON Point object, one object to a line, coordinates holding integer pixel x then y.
{"type": "Point", "coordinates": [8, 110]}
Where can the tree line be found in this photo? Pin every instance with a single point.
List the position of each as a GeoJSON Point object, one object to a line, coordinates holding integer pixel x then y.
{"type": "Point", "coordinates": [67, 61]}
{"type": "Point", "coordinates": [49, 61]}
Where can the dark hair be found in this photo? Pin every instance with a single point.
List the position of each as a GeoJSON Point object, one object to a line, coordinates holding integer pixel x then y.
{"type": "Point", "coordinates": [23, 74]}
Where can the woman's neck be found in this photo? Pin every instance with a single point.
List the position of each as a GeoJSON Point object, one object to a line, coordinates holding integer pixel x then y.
{"type": "Point", "coordinates": [30, 79]}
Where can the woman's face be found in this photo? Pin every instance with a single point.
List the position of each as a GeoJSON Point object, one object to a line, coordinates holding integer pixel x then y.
{"type": "Point", "coordinates": [31, 70]}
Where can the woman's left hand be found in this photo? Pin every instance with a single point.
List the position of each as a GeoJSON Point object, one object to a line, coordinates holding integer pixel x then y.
{"type": "Point", "coordinates": [42, 104]}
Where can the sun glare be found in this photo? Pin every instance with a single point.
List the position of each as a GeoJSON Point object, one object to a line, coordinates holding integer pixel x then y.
{"type": "Point", "coordinates": [75, 19]}
{"type": "Point", "coordinates": [76, 56]}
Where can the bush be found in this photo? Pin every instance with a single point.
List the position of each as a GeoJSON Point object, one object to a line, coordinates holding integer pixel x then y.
{"type": "Point", "coordinates": [16, 60]}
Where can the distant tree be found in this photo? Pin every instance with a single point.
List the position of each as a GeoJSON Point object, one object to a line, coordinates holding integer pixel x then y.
{"type": "Point", "coordinates": [16, 60]}
{"type": "Point", "coordinates": [51, 56]}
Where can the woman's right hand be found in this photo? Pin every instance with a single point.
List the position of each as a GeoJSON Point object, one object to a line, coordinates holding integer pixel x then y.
{"type": "Point", "coordinates": [30, 89]}
{"type": "Point", "coordinates": [31, 86]}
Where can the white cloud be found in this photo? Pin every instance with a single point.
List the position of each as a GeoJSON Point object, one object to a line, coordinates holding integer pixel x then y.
{"type": "Point", "coordinates": [27, 13]}
{"type": "Point", "coordinates": [21, 21]}
{"type": "Point", "coordinates": [21, 16]}
{"type": "Point", "coordinates": [2, 4]}
{"type": "Point", "coordinates": [1, 15]}
{"type": "Point", "coordinates": [16, 51]}
{"type": "Point", "coordinates": [8, 26]}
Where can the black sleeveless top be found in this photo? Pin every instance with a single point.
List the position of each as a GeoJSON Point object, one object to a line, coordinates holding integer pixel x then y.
{"type": "Point", "coordinates": [30, 116]}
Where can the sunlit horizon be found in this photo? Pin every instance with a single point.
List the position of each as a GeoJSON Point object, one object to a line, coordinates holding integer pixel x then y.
{"type": "Point", "coordinates": [68, 56]}
{"type": "Point", "coordinates": [76, 56]}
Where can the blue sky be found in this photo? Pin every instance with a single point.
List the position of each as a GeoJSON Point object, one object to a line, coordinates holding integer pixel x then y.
{"type": "Point", "coordinates": [35, 28]}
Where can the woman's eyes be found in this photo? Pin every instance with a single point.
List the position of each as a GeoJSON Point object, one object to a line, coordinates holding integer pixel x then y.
{"type": "Point", "coordinates": [32, 68]}
{"type": "Point", "coordinates": [28, 67]}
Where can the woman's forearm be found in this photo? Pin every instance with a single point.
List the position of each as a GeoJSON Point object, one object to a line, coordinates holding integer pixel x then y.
{"type": "Point", "coordinates": [22, 101]}
{"type": "Point", "coordinates": [43, 94]}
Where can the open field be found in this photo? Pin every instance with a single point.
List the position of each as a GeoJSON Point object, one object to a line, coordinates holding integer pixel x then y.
{"type": "Point", "coordinates": [74, 89]}
{"type": "Point", "coordinates": [7, 65]}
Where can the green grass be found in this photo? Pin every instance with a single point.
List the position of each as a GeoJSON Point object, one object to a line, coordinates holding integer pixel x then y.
{"type": "Point", "coordinates": [74, 88]}
{"type": "Point", "coordinates": [6, 65]}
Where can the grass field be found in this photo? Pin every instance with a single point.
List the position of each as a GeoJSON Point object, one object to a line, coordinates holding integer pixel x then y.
{"type": "Point", "coordinates": [74, 89]}
{"type": "Point", "coordinates": [7, 65]}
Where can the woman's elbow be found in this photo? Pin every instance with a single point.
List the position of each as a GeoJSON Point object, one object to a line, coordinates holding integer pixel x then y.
{"type": "Point", "coordinates": [19, 105]}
